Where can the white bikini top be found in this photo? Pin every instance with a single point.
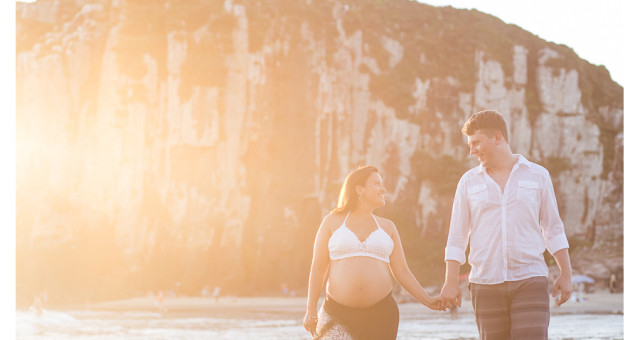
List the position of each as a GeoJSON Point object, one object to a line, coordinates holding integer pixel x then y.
{"type": "Point", "coordinates": [344, 243]}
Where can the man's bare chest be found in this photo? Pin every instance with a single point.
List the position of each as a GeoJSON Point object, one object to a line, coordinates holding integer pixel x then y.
{"type": "Point", "coordinates": [500, 178]}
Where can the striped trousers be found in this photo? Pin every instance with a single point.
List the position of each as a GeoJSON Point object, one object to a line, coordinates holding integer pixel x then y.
{"type": "Point", "coordinates": [512, 310]}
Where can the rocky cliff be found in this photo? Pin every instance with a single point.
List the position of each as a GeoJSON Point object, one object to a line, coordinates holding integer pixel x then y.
{"type": "Point", "coordinates": [178, 144]}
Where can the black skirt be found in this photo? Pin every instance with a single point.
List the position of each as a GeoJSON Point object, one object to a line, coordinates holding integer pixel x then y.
{"type": "Point", "coordinates": [379, 321]}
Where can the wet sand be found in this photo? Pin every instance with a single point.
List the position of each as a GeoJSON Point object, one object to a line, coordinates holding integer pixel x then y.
{"type": "Point", "coordinates": [594, 303]}
{"type": "Point", "coordinates": [601, 302]}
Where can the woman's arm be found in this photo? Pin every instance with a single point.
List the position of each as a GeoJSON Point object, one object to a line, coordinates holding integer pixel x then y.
{"type": "Point", "coordinates": [404, 276]}
{"type": "Point", "coordinates": [319, 267]}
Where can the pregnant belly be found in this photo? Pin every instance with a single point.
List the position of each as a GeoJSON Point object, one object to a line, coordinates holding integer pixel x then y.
{"type": "Point", "coordinates": [359, 281]}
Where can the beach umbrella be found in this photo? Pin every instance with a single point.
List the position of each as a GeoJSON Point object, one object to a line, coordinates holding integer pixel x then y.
{"type": "Point", "coordinates": [581, 279]}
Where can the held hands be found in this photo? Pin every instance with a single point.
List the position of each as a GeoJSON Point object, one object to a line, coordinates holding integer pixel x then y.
{"type": "Point", "coordinates": [451, 295]}
{"type": "Point", "coordinates": [436, 303]}
{"type": "Point", "coordinates": [310, 321]}
{"type": "Point", "coordinates": [562, 286]}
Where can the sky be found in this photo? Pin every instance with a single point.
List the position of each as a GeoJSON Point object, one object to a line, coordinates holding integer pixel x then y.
{"type": "Point", "coordinates": [595, 30]}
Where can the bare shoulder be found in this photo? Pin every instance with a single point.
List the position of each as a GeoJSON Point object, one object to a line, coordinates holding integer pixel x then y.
{"type": "Point", "coordinates": [386, 224]}
{"type": "Point", "coordinates": [331, 222]}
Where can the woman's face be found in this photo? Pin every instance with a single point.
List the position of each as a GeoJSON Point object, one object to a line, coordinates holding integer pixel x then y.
{"type": "Point", "coordinates": [373, 191]}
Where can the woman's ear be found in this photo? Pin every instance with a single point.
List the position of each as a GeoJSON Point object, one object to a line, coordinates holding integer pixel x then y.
{"type": "Point", "coordinates": [358, 190]}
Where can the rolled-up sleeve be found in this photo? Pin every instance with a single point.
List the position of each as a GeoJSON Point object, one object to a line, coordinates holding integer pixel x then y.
{"type": "Point", "coordinates": [550, 222]}
{"type": "Point", "coordinates": [458, 238]}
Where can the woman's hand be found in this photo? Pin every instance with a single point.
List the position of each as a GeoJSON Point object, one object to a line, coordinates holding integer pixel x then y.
{"type": "Point", "coordinates": [310, 321]}
{"type": "Point", "coordinates": [436, 303]}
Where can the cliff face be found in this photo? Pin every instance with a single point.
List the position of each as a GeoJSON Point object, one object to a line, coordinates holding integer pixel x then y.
{"type": "Point", "coordinates": [201, 142]}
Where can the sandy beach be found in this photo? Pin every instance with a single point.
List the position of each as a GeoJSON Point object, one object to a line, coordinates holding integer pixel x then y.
{"type": "Point", "coordinates": [601, 302]}
{"type": "Point", "coordinates": [599, 316]}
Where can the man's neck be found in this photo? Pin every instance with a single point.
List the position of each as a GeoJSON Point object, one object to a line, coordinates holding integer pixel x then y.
{"type": "Point", "coordinates": [504, 162]}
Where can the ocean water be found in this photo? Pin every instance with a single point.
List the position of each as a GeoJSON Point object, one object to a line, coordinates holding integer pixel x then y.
{"type": "Point", "coordinates": [94, 325]}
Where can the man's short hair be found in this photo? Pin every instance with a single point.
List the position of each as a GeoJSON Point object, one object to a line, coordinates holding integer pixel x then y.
{"type": "Point", "coordinates": [488, 120]}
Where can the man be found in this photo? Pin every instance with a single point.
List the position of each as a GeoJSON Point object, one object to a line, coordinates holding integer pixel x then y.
{"type": "Point", "coordinates": [506, 210]}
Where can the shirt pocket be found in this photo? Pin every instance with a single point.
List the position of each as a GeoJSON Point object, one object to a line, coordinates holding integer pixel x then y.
{"type": "Point", "coordinates": [528, 191]}
{"type": "Point", "coordinates": [478, 195]}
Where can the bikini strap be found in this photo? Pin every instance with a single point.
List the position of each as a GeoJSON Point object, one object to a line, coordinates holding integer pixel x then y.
{"type": "Point", "coordinates": [376, 220]}
{"type": "Point", "coordinates": [345, 219]}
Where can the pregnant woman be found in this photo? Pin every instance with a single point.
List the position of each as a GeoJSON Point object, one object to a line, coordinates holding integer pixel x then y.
{"type": "Point", "coordinates": [360, 252]}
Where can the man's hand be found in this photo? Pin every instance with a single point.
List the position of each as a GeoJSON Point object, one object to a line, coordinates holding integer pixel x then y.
{"type": "Point", "coordinates": [562, 286]}
{"type": "Point", "coordinates": [436, 303]}
{"type": "Point", "coordinates": [450, 292]}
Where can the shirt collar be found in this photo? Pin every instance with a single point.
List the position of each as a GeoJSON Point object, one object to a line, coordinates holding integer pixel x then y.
{"type": "Point", "coordinates": [521, 161]}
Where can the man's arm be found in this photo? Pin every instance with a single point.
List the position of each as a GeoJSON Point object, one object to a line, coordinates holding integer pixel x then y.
{"type": "Point", "coordinates": [550, 221]}
{"type": "Point", "coordinates": [563, 282]}
{"type": "Point", "coordinates": [457, 243]}
{"type": "Point", "coordinates": [451, 289]}
{"type": "Point", "coordinates": [556, 240]}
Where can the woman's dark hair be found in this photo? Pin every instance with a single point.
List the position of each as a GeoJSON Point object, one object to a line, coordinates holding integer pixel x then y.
{"type": "Point", "coordinates": [348, 196]}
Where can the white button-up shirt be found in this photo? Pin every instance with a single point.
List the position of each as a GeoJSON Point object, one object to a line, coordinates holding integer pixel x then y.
{"type": "Point", "coordinates": [508, 232]}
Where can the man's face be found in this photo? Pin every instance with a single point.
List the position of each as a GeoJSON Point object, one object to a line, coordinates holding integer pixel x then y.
{"type": "Point", "coordinates": [481, 146]}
